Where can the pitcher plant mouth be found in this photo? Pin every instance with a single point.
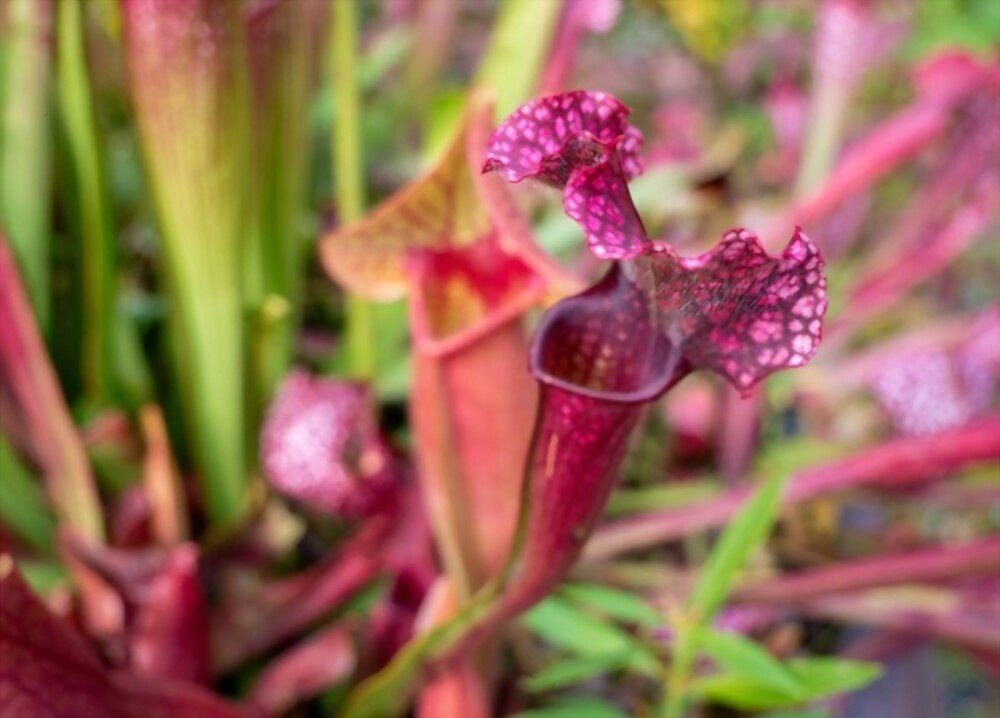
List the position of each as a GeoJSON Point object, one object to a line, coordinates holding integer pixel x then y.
{"type": "Point", "coordinates": [570, 352]}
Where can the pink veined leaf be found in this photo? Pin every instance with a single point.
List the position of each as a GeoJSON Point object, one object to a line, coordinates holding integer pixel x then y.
{"type": "Point", "coordinates": [735, 309]}
{"type": "Point", "coordinates": [580, 141]}
{"type": "Point", "coordinates": [598, 198]}
{"type": "Point", "coordinates": [47, 670]}
{"type": "Point", "coordinates": [320, 445]}
{"type": "Point", "coordinates": [551, 137]}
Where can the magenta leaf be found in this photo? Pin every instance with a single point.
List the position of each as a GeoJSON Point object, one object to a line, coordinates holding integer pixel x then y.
{"type": "Point", "coordinates": [169, 635]}
{"type": "Point", "coordinates": [580, 141]}
{"type": "Point", "coordinates": [928, 389]}
{"type": "Point", "coordinates": [47, 670]}
{"type": "Point", "coordinates": [549, 138]}
{"type": "Point", "coordinates": [320, 445]}
{"type": "Point", "coordinates": [738, 311]}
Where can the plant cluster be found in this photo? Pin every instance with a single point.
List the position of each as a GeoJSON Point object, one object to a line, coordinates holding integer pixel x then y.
{"type": "Point", "coordinates": [501, 442]}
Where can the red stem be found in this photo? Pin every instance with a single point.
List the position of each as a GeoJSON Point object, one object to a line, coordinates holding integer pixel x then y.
{"type": "Point", "coordinates": [897, 463]}
{"type": "Point", "coordinates": [951, 622]}
{"type": "Point", "coordinates": [927, 565]}
{"type": "Point", "coordinates": [289, 606]}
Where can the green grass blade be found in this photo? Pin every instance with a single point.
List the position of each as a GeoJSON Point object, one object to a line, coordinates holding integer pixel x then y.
{"type": "Point", "coordinates": [740, 655]}
{"type": "Point", "coordinates": [89, 200]}
{"type": "Point", "coordinates": [284, 48]}
{"type": "Point", "coordinates": [580, 633]}
{"type": "Point", "coordinates": [25, 146]}
{"type": "Point", "coordinates": [575, 708]}
{"type": "Point", "coordinates": [188, 81]}
{"type": "Point", "coordinates": [522, 34]}
{"type": "Point", "coordinates": [23, 508]}
{"type": "Point", "coordinates": [742, 537]}
{"type": "Point", "coordinates": [349, 173]}
{"type": "Point", "coordinates": [620, 605]}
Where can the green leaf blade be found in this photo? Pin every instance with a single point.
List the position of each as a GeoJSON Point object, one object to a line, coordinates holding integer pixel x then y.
{"type": "Point", "coordinates": [571, 671]}
{"type": "Point", "coordinates": [741, 656]}
{"type": "Point", "coordinates": [560, 623]}
{"type": "Point", "coordinates": [741, 538]}
{"type": "Point", "coordinates": [579, 708]}
{"type": "Point", "coordinates": [619, 605]}
{"type": "Point", "coordinates": [823, 676]}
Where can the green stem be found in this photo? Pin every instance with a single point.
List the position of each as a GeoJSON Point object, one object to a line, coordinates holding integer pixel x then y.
{"type": "Point", "coordinates": [826, 123]}
{"type": "Point", "coordinates": [521, 40]}
{"type": "Point", "coordinates": [388, 693]}
{"type": "Point", "coordinates": [678, 675]}
{"type": "Point", "coordinates": [348, 172]}
{"type": "Point", "coordinates": [80, 128]}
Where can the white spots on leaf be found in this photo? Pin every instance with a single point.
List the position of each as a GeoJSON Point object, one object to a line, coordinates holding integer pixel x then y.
{"type": "Point", "coordinates": [803, 344]}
